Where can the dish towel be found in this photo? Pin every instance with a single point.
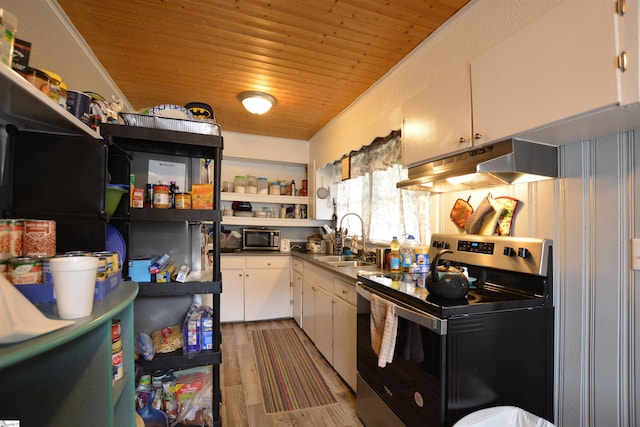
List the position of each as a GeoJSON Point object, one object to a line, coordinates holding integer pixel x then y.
{"type": "Point", "coordinates": [384, 328]}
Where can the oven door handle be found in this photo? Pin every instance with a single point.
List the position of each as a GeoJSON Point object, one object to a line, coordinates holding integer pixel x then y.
{"type": "Point", "coordinates": [427, 320]}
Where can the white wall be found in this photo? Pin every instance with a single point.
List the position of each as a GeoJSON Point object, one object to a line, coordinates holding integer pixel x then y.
{"type": "Point", "coordinates": [598, 305]}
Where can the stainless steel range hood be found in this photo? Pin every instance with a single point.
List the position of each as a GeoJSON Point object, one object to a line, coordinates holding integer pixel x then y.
{"type": "Point", "coordinates": [507, 162]}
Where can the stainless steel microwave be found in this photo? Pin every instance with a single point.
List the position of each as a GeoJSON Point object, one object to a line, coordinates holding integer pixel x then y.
{"type": "Point", "coordinates": [260, 239]}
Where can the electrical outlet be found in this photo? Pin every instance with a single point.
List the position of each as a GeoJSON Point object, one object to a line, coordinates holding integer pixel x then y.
{"type": "Point", "coordinates": [635, 254]}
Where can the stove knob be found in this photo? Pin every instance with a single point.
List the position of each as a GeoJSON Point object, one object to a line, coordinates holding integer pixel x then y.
{"type": "Point", "coordinates": [523, 252]}
{"type": "Point", "coordinates": [508, 251]}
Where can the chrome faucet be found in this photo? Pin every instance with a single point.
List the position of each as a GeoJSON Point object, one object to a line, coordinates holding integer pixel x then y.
{"type": "Point", "coordinates": [365, 254]}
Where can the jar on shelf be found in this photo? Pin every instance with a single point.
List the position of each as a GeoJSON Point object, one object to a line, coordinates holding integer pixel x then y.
{"type": "Point", "coordinates": [240, 184]}
{"type": "Point", "coordinates": [161, 196]}
{"type": "Point", "coordinates": [263, 187]}
{"type": "Point", "coordinates": [283, 188]}
{"type": "Point", "coordinates": [252, 184]}
{"type": "Point", "coordinates": [274, 188]}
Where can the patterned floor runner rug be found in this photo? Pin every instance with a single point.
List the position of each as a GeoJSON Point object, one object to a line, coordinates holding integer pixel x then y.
{"type": "Point", "coordinates": [288, 376]}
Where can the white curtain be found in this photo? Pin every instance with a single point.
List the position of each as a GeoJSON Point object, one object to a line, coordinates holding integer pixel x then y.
{"type": "Point", "coordinates": [371, 192]}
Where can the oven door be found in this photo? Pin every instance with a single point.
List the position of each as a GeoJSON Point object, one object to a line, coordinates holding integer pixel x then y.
{"type": "Point", "coordinates": [412, 385]}
{"type": "Point", "coordinates": [444, 369]}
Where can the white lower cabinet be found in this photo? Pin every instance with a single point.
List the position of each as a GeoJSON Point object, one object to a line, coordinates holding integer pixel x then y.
{"type": "Point", "coordinates": [324, 323]}
{"type": "Point", "coordinates": [296, 290]}
{"type": "Point", "coordinates": [255, 288]}
{"type": "Point", "coordinates": [344, 331]}
{"type": "Point", "coordinates": [232, 296]}
{"type": "Point", "coordinates": [329, 319]}
{"type": "Point", "coordinates": [309, 308]}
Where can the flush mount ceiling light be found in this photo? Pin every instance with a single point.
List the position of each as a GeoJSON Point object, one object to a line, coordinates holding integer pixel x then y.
{"type": "Point", "coordinates": [256, 102]}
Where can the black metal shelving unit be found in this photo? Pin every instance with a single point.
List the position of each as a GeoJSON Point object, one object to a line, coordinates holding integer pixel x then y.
{"type": "Point", "coordinates": [124, 144]}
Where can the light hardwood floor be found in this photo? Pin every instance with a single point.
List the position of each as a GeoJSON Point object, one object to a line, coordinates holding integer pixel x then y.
{"type": "Point", "coordinates": [241, 394]}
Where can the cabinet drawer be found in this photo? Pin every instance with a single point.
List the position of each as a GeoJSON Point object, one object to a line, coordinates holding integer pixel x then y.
{"type": "Point", "coordinates": [268, 262]}
{"type": "Point", "coordinates": [318, 276]}
{"type": "Point", "coordinates": [298, 265]}
{"type": "Point", "coordinates": [232, 262]}
{"type": "Point", "coordinates": [345, 291]}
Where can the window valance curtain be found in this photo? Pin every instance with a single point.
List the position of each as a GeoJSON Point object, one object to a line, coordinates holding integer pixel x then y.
{"type": "Point", "coordinates": [371, 193]}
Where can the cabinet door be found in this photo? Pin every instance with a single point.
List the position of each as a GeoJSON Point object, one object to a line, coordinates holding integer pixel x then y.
{"type": "Point", "coordinates": [559, 66]}
{"type": "Point", "coordinates": [296, 298]}
{"type": "Point", "coordinates": [267, 294]}
{"type": "Point", "coordinates": [309, 308]}
{"type": "Point", "coordinates": [344, 341]}
{"type": "Point", "coordinates": [324, 323]}
{"type": "Point", "coordinates": [437, 121]}
{"type": "Point", "coordinates": [232, 297]}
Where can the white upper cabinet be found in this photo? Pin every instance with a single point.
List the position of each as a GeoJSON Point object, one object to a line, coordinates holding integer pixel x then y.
{"type": "Point", "coordinates": [437, 121]}
{"type": "Point", "coordinates": [559, 66]}
{"type": "Point", "coordinates": [556, 80]}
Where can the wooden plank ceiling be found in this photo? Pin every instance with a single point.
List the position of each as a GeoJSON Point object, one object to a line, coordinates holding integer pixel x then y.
{"type": "Point", "coordinates": [314, 56]}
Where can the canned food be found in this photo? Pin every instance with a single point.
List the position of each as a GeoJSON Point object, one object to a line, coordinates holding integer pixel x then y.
{"type": "Point", "coordinates": [116, 333]}
{"type": "Point", "coordinates": [183, 201]}
{"type": "Point", "coordinates": [39, 238]}
{"type": "Point", "coordinates": [54, 85]}
{"type": "Point", "coordinates": [103, 268]}
{"type": "Point", "coordinates": [109, 257]}
{"type": "Point", "coordinates": [24, 271]}
{"type": "Point", "coordinates": [116, 346]}
{"type": "Point", "coordinates": [4, 269]}
{"type": "Point", "coordinates": [116, 329]}
{"type": "Point", "coordinates": [116, 362]}
{"type": "Point", "coordinates": [16, 228]}
{"type": "Point", "coordinates": [38, 79]}
{"type": "Point", "coordinates": [5, 252]}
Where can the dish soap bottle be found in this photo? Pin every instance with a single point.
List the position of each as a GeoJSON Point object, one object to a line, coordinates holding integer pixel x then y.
{"type": "Point", "coordinates": [395, 260]}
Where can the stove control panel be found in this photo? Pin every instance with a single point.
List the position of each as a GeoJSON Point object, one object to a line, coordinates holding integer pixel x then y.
{"type": "Point", "coordinates": [520, 254]}
{"type": "Point", "coordinates": [476, 247]}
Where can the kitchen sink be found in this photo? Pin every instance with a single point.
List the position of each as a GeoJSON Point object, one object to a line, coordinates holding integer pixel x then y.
{"type": "Point", "coordinates": [352, 263]}
{"type": "Point", "coordinates": [332, 258]}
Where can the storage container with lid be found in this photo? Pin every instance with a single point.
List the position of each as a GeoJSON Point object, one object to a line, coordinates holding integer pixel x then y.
{"type": "Point", "coordinates": [274, 188]}
{"type": "Point", "coordinates": [8, 28]}
{"type": "Point", "coordinates": [263, 187]}
{"type": "Point", "coordinates": [252, 184]}
{"type": "Point", "coordinates": [240, 184]}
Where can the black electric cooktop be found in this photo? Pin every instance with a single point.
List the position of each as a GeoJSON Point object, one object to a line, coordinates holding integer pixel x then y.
{"type": "Point", "coordinates": [483, 297]}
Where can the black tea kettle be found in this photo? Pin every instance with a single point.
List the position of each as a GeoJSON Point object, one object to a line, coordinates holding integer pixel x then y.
{"type": "Point", "coordinates": [452, 285]}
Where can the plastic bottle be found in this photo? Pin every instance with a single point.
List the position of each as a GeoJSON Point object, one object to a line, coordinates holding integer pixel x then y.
{"type": "Point", "coordinates": [395, 260]}
{"type": "Point", "coordinates": [422, 263]}
{"type": "Point", "coordinates": [408, 250]}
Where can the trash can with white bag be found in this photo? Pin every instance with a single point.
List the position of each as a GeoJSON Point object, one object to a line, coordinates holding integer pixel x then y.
{"type": "Point", "coordinates": [503, 416]}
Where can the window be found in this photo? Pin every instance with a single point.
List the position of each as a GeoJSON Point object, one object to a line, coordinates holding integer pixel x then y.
{"type": "Point", "coordinates": [372, 194]}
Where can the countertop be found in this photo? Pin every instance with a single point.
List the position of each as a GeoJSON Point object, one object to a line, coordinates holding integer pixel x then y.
{"type": "Point", "coordinates": [348, 273]}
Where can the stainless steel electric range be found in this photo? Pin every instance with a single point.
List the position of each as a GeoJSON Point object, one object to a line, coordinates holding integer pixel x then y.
{"type": "Point", "coordinates": [453, 357]}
